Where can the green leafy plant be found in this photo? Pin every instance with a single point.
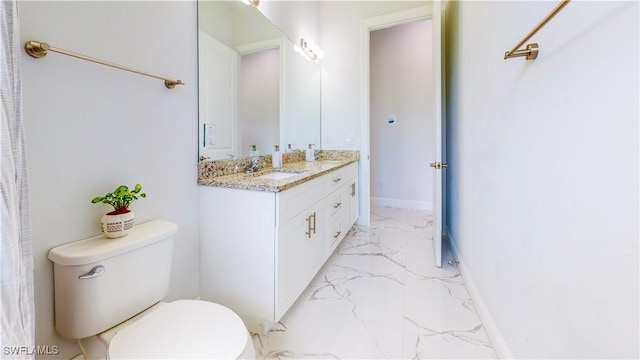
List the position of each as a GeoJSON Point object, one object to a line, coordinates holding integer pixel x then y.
{"type": "Point", "coordinates": [120, 198]}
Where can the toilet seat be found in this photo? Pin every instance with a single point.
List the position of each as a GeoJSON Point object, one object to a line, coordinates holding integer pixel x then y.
{"type": "Point", "coordinates": [183, 329]}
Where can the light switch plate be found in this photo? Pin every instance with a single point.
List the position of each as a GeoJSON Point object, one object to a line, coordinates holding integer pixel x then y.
{"type": "Point", "coordinates": [209, 135]}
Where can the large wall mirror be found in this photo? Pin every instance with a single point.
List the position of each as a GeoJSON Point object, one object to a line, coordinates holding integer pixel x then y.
{"type": "Point", "coordinates": [254, 88]}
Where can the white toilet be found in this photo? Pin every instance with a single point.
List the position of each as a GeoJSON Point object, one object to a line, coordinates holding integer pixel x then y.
{"type": "Point", "coordinates": [107, 296]}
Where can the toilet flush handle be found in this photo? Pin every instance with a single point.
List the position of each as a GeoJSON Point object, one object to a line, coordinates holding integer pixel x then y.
{"type": "Point", "coordinates": [95, 271]}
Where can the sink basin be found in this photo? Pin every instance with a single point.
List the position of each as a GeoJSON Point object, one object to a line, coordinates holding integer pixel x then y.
{"type": "Point", "coordinates": [277, 175]}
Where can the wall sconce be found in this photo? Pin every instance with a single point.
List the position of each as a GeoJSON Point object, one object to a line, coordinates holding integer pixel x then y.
{"type": "Point", "coordinates": [252, 2]}
{"type": "Point", "coordinates": [309, 50]}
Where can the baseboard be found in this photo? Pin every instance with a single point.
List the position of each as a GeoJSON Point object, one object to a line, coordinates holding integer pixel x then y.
{"type": "Point", "coordinates": [402, 204]}
{"type": "Point", "coordinates": [499, 345]}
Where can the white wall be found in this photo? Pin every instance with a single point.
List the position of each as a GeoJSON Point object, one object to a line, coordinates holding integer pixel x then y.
{"type": "Point", "coordinates": [234, 23]}
{"type": "Point", "coordinates": [543, 173]}
{"type": "Point", "coordinates": [259, 110]}
{"type": "Point", "coordinates": [297, 19]}
{"type": "Point", "coordinates": [402, 85]}
{"type": "Point", "coordinates": [342, 90]}
{"type": "Point", "coordinates": [341, 24]}
{"type": "Point", "coordinates": [216, 18]}
{"type": "Point", "coordinates": [90, 128]}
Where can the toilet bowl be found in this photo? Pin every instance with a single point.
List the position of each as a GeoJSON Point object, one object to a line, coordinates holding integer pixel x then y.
{"type": "Point", "coordinates": [184, 329]}
{"type": "Point", "coordinates": [108, 296]}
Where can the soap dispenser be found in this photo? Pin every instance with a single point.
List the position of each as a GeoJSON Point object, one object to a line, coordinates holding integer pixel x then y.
{"type": "Point", "coordinates": [253, 150]}
{"type": "Point", "coordinates": [311, 156]}
{"type": "Point", "coordinates": [276, 159]}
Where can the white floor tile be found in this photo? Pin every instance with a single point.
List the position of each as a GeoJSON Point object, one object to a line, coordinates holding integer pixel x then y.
{"type": "Point", "coordinates": [380, 296]}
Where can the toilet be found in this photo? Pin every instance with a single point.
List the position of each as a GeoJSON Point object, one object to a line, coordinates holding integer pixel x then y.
{"type": "Point", "coordinates": [108, 296]}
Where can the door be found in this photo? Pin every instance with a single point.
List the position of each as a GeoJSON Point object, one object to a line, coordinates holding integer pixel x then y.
{"type": "Point", "coordinates": [422, 12]}
{"type": "Point", "coordinates": [437, 165]}
{"type": "Point", "coordinates": [218, 124]}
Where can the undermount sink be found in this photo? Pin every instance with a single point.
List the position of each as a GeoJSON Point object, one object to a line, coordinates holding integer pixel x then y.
{"type": "Point", "coordinates": [277, 175]}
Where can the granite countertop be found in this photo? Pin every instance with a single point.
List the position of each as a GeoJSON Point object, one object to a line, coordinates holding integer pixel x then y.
{"type": "Point", "coordinates": [304, 171]}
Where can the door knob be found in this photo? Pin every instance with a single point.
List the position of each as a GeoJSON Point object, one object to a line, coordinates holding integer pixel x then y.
{"type": "Point", "coordinates": [438, 165]}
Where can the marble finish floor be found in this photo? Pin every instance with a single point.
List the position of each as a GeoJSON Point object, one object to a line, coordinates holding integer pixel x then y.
{"type": "Point", "coordinates": [380, 296]}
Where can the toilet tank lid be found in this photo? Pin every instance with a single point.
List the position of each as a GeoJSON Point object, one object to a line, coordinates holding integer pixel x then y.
{"type": "Point", "coordinates": [99, 248]}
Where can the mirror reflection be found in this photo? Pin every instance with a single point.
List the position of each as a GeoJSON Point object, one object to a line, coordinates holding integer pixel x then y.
{"type": "Point", "coordinates": [254, 89]}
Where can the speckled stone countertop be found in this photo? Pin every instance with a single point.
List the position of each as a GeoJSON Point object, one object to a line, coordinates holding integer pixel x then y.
{"type": "Point", "coordinates": [303, 171]}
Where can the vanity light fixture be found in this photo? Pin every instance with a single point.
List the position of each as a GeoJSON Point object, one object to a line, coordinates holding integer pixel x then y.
{"type": "Point", "coordinates": [309, 50]}
{"type": "Point", "coordinates": [252, 2]}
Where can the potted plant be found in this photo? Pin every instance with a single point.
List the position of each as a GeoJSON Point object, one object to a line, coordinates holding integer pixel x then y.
{"type": "Point", "coordinates": [117, 223]}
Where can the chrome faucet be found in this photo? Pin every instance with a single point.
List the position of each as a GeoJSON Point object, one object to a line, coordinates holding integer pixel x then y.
{"type": "Point", "coordinates": [256, 164]}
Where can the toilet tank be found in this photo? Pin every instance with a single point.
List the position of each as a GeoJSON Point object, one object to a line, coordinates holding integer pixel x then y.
{"type": "Point", "coordinates": [137, 271]}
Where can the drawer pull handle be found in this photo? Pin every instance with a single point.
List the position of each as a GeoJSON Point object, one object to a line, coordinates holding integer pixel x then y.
{"type": "Point", "coordinates": [308, 233]}
{"type": "Point", "coordinates": [336, 180]}
{"type": "Point", "coordinates": [311, 228]}
{"type": "Point", "coordinates": [314, 222]}
{"type": "Point", "coordinates": [353, 189]}
{"type": "Point", "coordinates": [335, 236]}
{"type": "Point", "coordinates": [337, 205]}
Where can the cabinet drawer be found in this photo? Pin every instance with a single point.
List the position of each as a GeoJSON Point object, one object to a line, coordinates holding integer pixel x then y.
{"type": "Point", "coordinates": [293, 201]}
{"type": "Point", "coordinates": [335, 233]}
{"type": "Point", "coordinates": [340, 177]}
{"type": "Point", "coordinates": [335, 203]}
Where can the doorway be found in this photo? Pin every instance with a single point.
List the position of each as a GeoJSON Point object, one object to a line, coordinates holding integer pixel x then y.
{"type": "Point", "coordinates": [259, 101]}
{"type": "Point", "coordinates": [431, 158]}
{"type": "Point", "coordinates": [402, 115]}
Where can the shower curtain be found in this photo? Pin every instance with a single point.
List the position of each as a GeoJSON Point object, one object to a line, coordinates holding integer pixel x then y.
{"type": "Point", "coordinates": [17, 339]}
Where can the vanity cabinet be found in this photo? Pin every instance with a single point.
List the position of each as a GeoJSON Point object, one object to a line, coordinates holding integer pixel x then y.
{"type": "Point", "coordinates": [260, 250]}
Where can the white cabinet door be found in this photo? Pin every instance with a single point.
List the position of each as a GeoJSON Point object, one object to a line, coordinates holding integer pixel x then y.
{"type": "Point", "coordinates": [300, 252]}
{"type": "Point", "coordinates": [352, 196]}
{"type": "Point", "coordinates": [313, 247]}
{"type": "Point", "coordinates": [289, 262]}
